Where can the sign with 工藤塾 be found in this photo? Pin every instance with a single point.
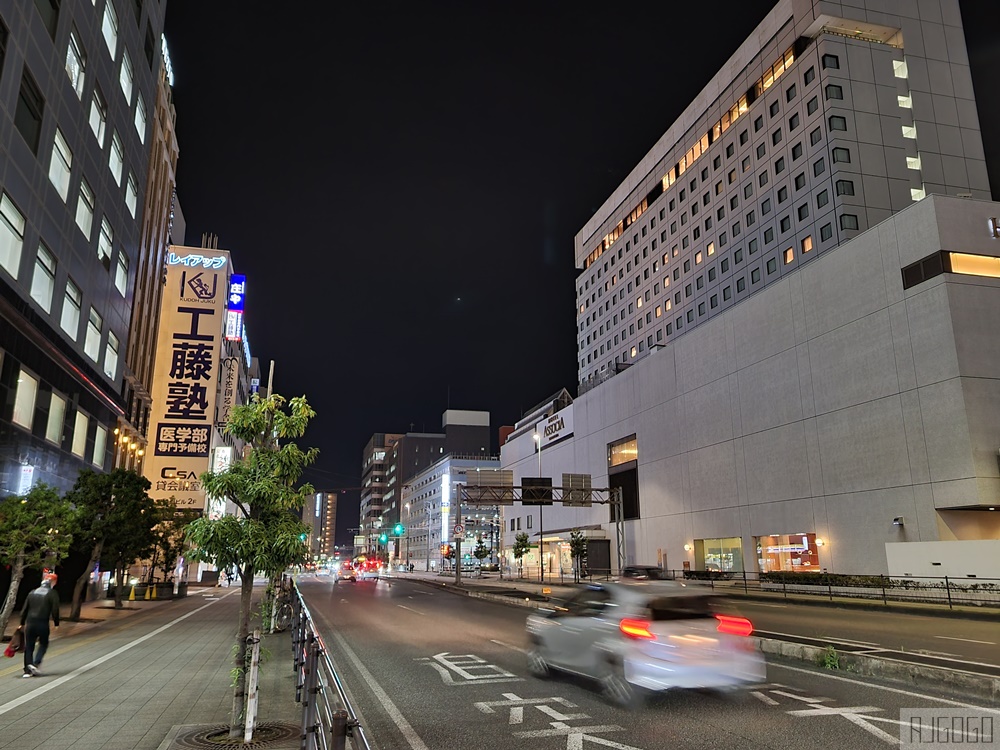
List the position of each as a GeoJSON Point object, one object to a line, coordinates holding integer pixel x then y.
{"type": "Point", "coordinates": [186, 374]}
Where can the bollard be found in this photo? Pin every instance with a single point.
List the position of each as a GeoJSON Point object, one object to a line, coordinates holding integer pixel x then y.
{"type": "Point", "coordinates": [338, 730]}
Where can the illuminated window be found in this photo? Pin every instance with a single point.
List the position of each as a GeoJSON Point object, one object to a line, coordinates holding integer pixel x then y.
{"type": "Point", "coordinates": [98, 115]}
{"type": "Point", "coordinates": [905, 102]}
{"type": "Point", "coordinates": [105, 242]}
{"type": "Point", "coordinates": [710, 248]}
{"type": "Point", "coordinates": [43, 279]}
{"type": "Point", "coordinates": [131, 195]}
{"type": "Point", "coordinates": [121, 273]}
{"type": "Point", "coordinates": [111, 356]}
{"type": "Point", "coordinates": [807, 244]}
{"type": "Point", "coordinates": [116, 159]}
{"type": "Point", "coordinates": [100, 445]}
{"type": "Point", "coordinates": [140, 118]}
{"type": "Point", "coordinates": [92, 343]}
{"type": "Point", "coordinates": [57, 414]}
{"type": "Point", "coordinates": [633, 351]}
{"type": "Point", "coordinates": [70, 319]}
{"type": "Point", "coordinates": [899, 68]}
{"type": "Point", "coordinates": [11, 236]}
{"type": "Point", "coordinates": [60, 165]}
{"type": "Point", "coordinates": [24, 399]}
{"type": "Point", "coordinates": [76, 63]}
{"type": "Point", "coordinates": [109, 27]}
{"type": "Point", "coordinates": [80, 430]}
{"type": "Point", "coordinates": [125, 77]}
{"type": "Point", "coordinates": [917, 194]}
{"type": "Point", "coordinates": [638, 301]}
{"type": "Point", "coordinates": [909, 131]}
{"type": "Point", "coordinates": [789, 255]}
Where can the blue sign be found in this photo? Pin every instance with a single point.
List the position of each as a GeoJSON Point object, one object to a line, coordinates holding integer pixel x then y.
{"type": "Point", "coordinates": [237, 292]}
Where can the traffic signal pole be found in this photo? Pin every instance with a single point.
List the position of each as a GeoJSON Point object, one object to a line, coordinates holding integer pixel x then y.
{"type": "Point", "coordinates": [458, 559]}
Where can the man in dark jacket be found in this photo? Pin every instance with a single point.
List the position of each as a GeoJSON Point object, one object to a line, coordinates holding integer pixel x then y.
{"type": "Point", "coordinates": [41, 604]}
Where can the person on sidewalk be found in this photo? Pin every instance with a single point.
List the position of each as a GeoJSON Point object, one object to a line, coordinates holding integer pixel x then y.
{"type": "Point", "coordinates": [41, 604]}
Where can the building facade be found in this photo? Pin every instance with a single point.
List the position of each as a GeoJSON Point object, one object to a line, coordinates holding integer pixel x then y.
{"type": "Point", "coordinates": [785, 357]}
{"type": "Point", "coordinates": [78, 83]}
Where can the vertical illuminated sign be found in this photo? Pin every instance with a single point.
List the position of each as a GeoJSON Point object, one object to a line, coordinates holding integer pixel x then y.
{"type": "Point", "coordinates": [446, 506]}
{"type": "Point", "coordinates": [186, 374]}
{"type": "Point", "coordinates": [234, 307]}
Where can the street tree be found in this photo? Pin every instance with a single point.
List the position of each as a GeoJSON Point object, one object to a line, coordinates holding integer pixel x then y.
{"type": "Point", "coordinates": [481, 551]}
{"type": "Point", "coordinates": [521, 547]}
{"type": "Point", "coordinates": [169, 538]}
{"type": "Point", "coordinates": [578, 551]}
{"type": "Point", "coordinates": [263, 487]}
{"type": "Point", "coordinates": [132, 535]}
{"type": "Point", "coordinates": [105, 505]}
{"type": "Point", "coordinates": [36, 531]}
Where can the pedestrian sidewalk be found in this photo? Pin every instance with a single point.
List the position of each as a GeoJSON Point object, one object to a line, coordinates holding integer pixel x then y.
{"type": "Point", "coordinates": [125, 679]}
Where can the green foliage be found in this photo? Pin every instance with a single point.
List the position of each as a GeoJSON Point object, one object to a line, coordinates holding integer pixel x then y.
{"type": "Point", "coordinates": [521, 546]}
{"type": "Point", "coordinates": [829, 658]}
{"type": "Point", "coordinates": [481, 551]}
{"type": "Point", "coordinates": [169, 535]}
{"type": "Point", "coordinates": [37, 527]}
{"type": "Point", "coordinates": [578, 546]}
{"type": "Point", "coordinates": [108, 504]}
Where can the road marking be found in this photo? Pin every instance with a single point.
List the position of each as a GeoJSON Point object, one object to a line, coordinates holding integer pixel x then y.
{"type": "Point", "coordinates": [763, 698]}
{"type": "Point", "coordinates": [99, 661]}
{"type": "Point", "coordinates": [851, 643]}
{"type": "Point", "coordinates": [854, 714]}
{"type": "Point", "coordinates": [803, 698]}
{"type": "Point", "coordinates": [401, 606]}
{"type": "Point", "coordinates": [469, 668]}
{"type": "Point", "coordinates": [898, 691]}
{"type": "Point", "coordinates": [758, 604]}
{"type": "Point", "coordinates": [408, 732]}
{"type": "Point", "coordinates": [966, 640]}
{"type": "Point", "coordinates": [512, 648]}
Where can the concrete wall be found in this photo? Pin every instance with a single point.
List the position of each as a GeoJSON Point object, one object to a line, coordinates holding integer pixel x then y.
{"type": "Point", "coordinates": [978, 558]}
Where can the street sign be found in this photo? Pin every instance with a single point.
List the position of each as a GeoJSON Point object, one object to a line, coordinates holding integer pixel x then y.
{"type": "Point", "coordinates": [459, 529]}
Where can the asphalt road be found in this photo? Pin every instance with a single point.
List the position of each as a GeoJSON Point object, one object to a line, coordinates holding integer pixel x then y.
{"type": "Point", "coordinates": [431, 670]}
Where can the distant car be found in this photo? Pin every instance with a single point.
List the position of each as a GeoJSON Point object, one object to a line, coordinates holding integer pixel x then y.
{"type": "Point", "coordinates": [346, 573]}
{"type": "Point", "coordinates": [644, 572]}
{"type": "Point", "coordinates": [322, 571]}
{"type": "Point", "coordinates": [639, 636]}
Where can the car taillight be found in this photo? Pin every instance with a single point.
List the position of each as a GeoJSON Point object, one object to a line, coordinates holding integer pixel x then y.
{"type": "Point", "coordinates": [734, 625]}
{"type": "Point", "coordinates": [636, 629]}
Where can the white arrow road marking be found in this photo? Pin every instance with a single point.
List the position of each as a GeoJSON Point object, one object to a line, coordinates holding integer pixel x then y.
{"type": "Point", "coordinates": [803, 698]}
{"type": "Point", "coordinates": [575, 736]}
{"type": "Point", "coordinates": [551, 712]}
{"type": "Point", "coordinates": [854, 714]}
{"type": "Point", "coordinates": [469, 668]}
{"type": "Point", "coordinates": [516, 706]}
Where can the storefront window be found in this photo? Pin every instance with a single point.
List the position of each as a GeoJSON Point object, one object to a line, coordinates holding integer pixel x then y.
{"type": "Point", "coordinates": [791, 552]}
{"type": "Point", "coordinates": [719, 554]}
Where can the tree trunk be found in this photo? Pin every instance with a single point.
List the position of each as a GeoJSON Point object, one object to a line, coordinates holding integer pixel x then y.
{"type": "Point", "coordinates": [240, 660]}
{"type": "Point", "coordinates": [119, 584]}
{"type": "Point", "coordinates": [16, 574]}
{"type": "Point", "coordinates": [95, 555]}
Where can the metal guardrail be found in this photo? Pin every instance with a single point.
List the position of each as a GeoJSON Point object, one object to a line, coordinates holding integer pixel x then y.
{"type": "Point", "coordinates": [329, 722]}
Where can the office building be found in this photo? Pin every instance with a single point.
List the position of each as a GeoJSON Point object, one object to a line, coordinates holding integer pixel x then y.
{"type": "Point", "coordinates": [783, 358]}
{"type": "Point", "coordinates": [78, 87]}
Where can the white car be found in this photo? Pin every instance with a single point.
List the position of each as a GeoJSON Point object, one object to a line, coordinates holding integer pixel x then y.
{"type": "Point", "coordinates": [644, 636]}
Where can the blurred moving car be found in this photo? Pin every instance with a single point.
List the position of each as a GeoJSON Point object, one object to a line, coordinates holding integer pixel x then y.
{"type": "Point", "coordinates": [346, 573]}
{"type": "Point", "coordinates": [644, 635]}
{"type": "Point", "coordinates": [644, 573]}
{"type": "Point", "coordinates": [322, 571]}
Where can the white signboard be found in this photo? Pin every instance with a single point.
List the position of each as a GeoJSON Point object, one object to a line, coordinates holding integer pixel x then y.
{"type": "Point", "coordinates": [556, 427]}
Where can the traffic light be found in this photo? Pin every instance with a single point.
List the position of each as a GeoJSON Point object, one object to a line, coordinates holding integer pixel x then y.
{"type": "Point", "coordinates": [398, 529]}
{"type": "Point", "coordinates": [383, 539]}
{"type": "Point", "coordinates": [302, 537]}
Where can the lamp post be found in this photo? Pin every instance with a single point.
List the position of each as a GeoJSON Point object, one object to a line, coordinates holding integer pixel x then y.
{"type": "Point", "coordinates": [541, 531]}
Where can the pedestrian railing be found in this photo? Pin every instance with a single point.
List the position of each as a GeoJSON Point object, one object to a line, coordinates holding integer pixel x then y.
{"type": "Point", "coordinates": [329, 722]}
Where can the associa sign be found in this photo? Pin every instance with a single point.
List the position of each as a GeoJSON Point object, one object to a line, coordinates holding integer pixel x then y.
{"type": "Point", "coordinates": [557, 427]}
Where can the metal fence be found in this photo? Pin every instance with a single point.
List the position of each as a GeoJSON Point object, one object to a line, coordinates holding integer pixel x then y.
{"type": "Point", "coordinates": [329, 722]}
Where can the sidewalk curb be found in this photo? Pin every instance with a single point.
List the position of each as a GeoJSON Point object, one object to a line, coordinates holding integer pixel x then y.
{"type": "Point", "coordinates": [907, 673]}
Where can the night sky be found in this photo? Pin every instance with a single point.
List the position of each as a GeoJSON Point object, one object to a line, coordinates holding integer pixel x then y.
{"type": "Point", "coordinates": [402, 182]}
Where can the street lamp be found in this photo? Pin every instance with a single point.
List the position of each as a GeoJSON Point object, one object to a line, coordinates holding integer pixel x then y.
{"type": "Point", "coordinates": [541, 531]}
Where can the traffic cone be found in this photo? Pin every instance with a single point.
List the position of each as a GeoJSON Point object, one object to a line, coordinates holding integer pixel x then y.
{"type": "Point", "coordinates": [131, 594]}
{"type": "Point", "coordinates": [146, 595]}
{"type": "Point", "coordinates": [153, 586]}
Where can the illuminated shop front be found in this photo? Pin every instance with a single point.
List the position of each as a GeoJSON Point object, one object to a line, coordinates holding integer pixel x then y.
{"type": "Point", "coordinates": [719, 554]}
{"type": "Point", "coordinates": [792, 552]}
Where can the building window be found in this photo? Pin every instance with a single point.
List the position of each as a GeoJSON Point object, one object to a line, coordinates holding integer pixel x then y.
{"type": "Point", "coordinates": [711, 274]}
{"type": "Point", "coordinates": [49, 11]}
{"type": "Point", "coordinates": [752, 246]}
{"type": "Point", "coordinates": [140, 118]}
{"type": "Point", "coordinates": [76, 63]}
{"type": "Point", "coordinates": [845, 187]}
{"type": "Point", "coordinates": [690, 316]}
{"type": "Point", "coordinates": [769, 235]}
{"type": "Point", "coordinates": [773, 109]}
{"type": "Point", "coordinates": [28, 115]}
{"type": "Point", "coordinates": [848, 221]}
{"type": "Point", "coordinates": [43, 280]}
{"type": "Point", "coordinates": [125, 77]}
{"type": "Point", "coordinates": [98, 116]}
{"type": "Point", "coordinates": [830, 61]}
{"type": "Point", "coordinates": [761, 150]}
{"type": "Point", "coordinates": [812, 105]}
{"type": "Point", "coordinates": [116, 159]}
{"type": "Point", "coordinates": [790, 93]}
{"type": "Point", "coordinates": [744, 136]}
{"type": "Point", "coordinates": [109, 27]}
{"type": "Point", "coordinates": [100, 445]}
{"type": "Point", "coordinates": [732, 176]}
{"type": "Point", "coordinates": [803, 211]}
{"type": "Point", "coordinates": [121, 273]}
{"type": "Point", "coordinates": [57, 414]}
{"type": "Point", "coordinates": [758, 123]}
{"type": "Point", "coordinates": [800, 180]}
{"type": "Point", "coordinates": [105, 242]}
{"type": "Point", "coordinates": [909, 131]}
{"type": "Point", "coordinates": [776, 137]}
{"type": "Point", "coordinates": [796, 151]}
{"type": "Point", "coordinates": [92, 343]}
{"type": "Point", "coordinates": [788, 256]}
{"type": "Point", "coordinates": [755, 275]}
{"type": "Point", "coordinates": [701, 309]}
{"type": "Point", "coordinates": [60, 165]}
{"type": "Point", "coordinates": [762, 178]}
{"type": "Point", "coordinates": [833, 91]}
{"type": "Point", "coordinates": [810, 76]}
{"type": "Point", "coordinates": [730, 150]}
{"type": "Point", "coordinates": [70, 319]}
{"type": "Point", "coordinates": [85, 209]}
{"type": "Point", "coordinates": [838, 123]}
{"type": "Point", "coordinates": [772, 266]}
{"type": "Point", "coordinates": [819, 167]}
{"type": "Point", "coordinates": [822, 199]}
{"type": "Point", "coordinates": [825, 232]}
{"type": "Point", "coordinates": [785, 224]}
{"type": "Point", "coordinates": [779, 165]}
{"type": "Point", "coordinates": [111, 356]}
{"type": "Point", "coordinates": [80, 428]}
{"type": "Point", "coordinates": [132, 195]}
{"type": "Point", "coordinates": [11, 236]}
{"type": "Point", "coordinates": [793, 121]}
{"type": "Point", "coordinates": [815, 136]}
{"type": "Point", "coordinates": [699, 282]}
{"type": "Point", "coordinates": [765, 207]}
{"type": "Point", "coordinates": [750, 219]}
{"type": "Point", "coordinates": [24, 400]}
{"type": "Point", "coordinates": [727, 293]}
{"type": "Point", "coordinates": [807, 244]}
{"type": "Point", "coordinates": [748, 190]}
{"type": "Point", "coordinates": [741, 284]}
{"type": "Point", "coordinates": [782, 194]}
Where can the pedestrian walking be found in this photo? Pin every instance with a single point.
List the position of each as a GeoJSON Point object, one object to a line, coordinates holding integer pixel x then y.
{"type": "Point", "coordinates": [41, 604]}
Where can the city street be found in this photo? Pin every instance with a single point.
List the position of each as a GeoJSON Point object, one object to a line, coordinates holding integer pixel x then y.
{"type": "Point", "coordinates": [429, 669]}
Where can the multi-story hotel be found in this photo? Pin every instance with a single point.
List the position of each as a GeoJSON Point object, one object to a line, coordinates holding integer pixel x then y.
{"type": "Point", "coordinates": [783, 355]}
{"type": "Point", "coordinates": [78, 87]}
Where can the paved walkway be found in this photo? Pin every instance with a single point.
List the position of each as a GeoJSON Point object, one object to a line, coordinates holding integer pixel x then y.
{"type": "Point", "coordinates": [123, 679]}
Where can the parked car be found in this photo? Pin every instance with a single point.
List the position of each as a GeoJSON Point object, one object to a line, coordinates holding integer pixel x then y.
{"type": "Point", "coordinates": [644, 635]}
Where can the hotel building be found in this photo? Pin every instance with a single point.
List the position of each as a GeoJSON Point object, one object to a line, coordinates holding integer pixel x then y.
{"type": "Point", "coordinates": [782, 353]}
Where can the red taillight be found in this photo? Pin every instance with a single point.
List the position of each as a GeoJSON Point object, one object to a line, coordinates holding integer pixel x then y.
{"type": "Point", "coordinates": [734, 625]}
{"type": "Point", "coordinates": [636, 629]}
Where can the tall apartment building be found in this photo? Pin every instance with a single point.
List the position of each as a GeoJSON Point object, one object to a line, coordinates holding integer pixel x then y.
{"type": "Point", "coordinates": [786, 354]}
{"type": "Point", "coordinates": [319, 512]}
{"type": "Point", "coordinates": [78, 83]}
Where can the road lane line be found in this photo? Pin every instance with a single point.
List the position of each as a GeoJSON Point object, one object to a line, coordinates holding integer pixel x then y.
{"type": "Point", "coordinates": [11, 705]}
{"type": "Point", "coordinates": [511, 647]}
{"type": "Point", "coordinates": [409, 609]}
{"type": "Point", "coordinates": [394, 713]}
{"type": "Point", "coordinates": [898, 691]}
{"type": "Point", "coordinates": [758, 604]}
{"type": "Point", "coordinates": [967, 640]}
{"type": "Point", "coordinates": [852, 643]}
{"type": "Point", "coordinates": [763, 698]}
